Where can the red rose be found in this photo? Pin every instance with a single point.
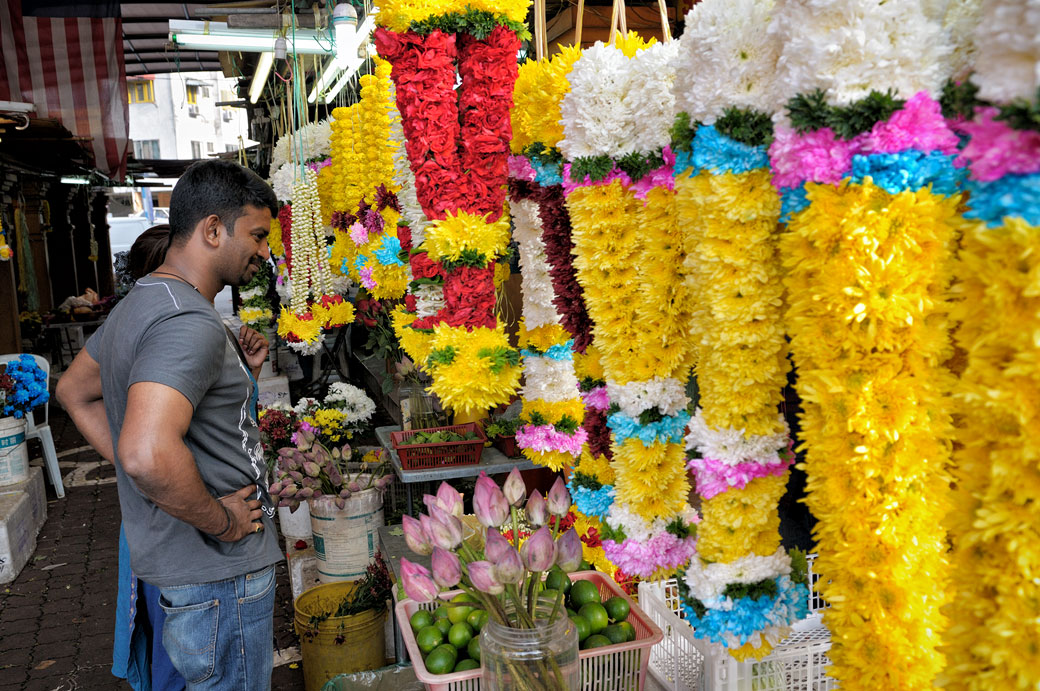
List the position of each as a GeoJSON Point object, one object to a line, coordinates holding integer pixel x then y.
{"type": "Point", "coordinates": [409, 302]}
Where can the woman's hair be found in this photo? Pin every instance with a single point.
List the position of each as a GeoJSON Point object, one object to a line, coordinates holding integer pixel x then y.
{"type": "Point", "coordinates": [148, 251]}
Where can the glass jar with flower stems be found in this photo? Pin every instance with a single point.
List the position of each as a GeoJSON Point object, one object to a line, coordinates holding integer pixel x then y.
{"type": "Point", "coordinates": [528, 642]}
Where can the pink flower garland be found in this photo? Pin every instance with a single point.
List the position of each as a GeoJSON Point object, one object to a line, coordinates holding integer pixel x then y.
{"type": "Point", "coordinates": [919, 125]}
{"type": "Point", "coordinates": [366, 278]}
{"type": "Point", "coordinates": [642, 559]}
{"type": "Point", "coordinates": [359, 234]}
{"type": "Point", "coordinates": [546, 438]}
{"type": "Point", "coordinates": [616, 174]}
{"type": "Point", "coordinates": [817, 156]}
{"type": "Point", "coordinates": [715, 477]}
{"type": "Point", "coordinates": [996, 150]}
{"type": "Point", "coordinates": [597, 398]}
{"type": "Point", "coordinates": [520, 168]}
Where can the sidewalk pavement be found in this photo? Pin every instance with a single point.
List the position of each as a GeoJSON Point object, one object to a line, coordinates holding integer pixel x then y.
{"type": "Point", "coordinates": [57, 617]}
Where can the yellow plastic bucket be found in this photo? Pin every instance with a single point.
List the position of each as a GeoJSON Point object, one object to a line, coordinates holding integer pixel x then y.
{"type": "Point", "coordinates": [336, 645]}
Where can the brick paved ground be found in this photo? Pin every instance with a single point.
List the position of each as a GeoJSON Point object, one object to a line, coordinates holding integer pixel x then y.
{"type": "Point", "coordinates": [57, 617]}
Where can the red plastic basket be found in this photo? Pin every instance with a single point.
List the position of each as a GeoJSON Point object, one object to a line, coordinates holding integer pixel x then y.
{"type": "Point", "coordinates": [426, 456]}
{"type": "Point", "coordinates": [617, 667]}
{"type": "Point", "coordinates": [507, 445]}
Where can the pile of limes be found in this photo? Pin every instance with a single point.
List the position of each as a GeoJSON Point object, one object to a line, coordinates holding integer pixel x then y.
{"type": "Point", "coordinates": [598, 622]}
{"type": "Point", "coordinates": [449, 636]}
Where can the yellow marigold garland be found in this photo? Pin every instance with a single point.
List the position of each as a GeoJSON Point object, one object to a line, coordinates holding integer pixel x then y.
{"type": "Point", "coordinates": [540, 87]}
{"type": "Point", "coordinates": [867, 272]}
{"type": "Point", "coordinates": [398, 15]}
{"type": "Point", "coordinates": [472, 370]}
{"type": "Point", "coordinates": [447, 239]}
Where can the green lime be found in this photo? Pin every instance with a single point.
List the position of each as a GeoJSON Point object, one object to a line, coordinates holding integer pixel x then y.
{"type": "Point", "coordinates": [597, 616]}
{"type": "Point", "coordinates": [421, 619]}
{"type": "Point", "coordinates": [452, 650]}
{"type": "Point", "coordinates": [428, 638]}
{"type": "Point", "coordinates": [460, 634]}
{"type": "Point", "coordinates": [583, 592]}
{"type": "Point", "coordinates": [556, 579]}
{"type": "Point", "coordinates": [596, 641]}
{"type": "Point", "coordinates": [582, 625]}
{"type": "Point", "coordinates": [473, 649]}
{"type": "Point", "coordinates": [585, 566]}
{"type": "Point", "coordinates": [440, 661]}
{"type": "Point", "coordinates": [571, 613]}
{"type": "Point", "coordinates": [476, 620]}
{"type": "Point", "coordinates": [441, 612]}
{"type": "Point", "coordinates": [443, 625]}
{"type": "Point", "coordinates": [615, 633]}
{"type": "Point", "coordinates": [459, 614]}
{"type": "Point", "coordinates": [630, 631]}
{"type": "Point", "coordinates": [617, 608]}
{"type": "Point", "coordinates": [465, 665]}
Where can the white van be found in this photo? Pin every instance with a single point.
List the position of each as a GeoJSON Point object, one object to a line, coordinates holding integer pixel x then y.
{"type": "Point", "coordinates": [123, 231]}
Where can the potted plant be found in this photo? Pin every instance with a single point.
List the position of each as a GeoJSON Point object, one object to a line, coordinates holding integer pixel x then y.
{"type": "Point", "coordinates": [23, 386]}
{"type": "Point", "coordinates": [502, 433]}
{"type": "Point", "coordinates": [528, 641]}
{"type": "Point", "coordinates": [333, 615]}
{"type": "Point", "coordinates": [344, 499]}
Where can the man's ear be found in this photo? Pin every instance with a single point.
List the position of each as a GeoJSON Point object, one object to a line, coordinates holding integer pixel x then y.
{"type": "Point", "coordinates": [210, 228]}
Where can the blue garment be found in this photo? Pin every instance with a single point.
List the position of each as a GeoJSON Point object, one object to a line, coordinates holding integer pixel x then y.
{"type": "Point", "coordinates": [132, 656]}
{"type": "Point", "coordinates": [220, 635]}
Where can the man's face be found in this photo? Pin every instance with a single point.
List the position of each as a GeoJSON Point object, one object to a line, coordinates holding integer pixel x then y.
{"type": "Point", "coordinates": [247, 246]}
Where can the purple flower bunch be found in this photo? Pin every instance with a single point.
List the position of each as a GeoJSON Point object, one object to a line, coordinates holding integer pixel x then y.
{"type": "Point", "coordinates": [507, 571]}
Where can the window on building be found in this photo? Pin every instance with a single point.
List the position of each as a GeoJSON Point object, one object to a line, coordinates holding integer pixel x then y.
{"type": "Point", "coordinates": [140, 91]}
{"type": "Point", "coordinates": [230, 148]}
{"type": "Point", "coordinates": [193, 94]}
{"type": "Point", "coordinates": [148, 148]}
{"type": "Point", "coordinates": [196, 149]}
{"type": "Point", "coordinates": [209, 147]}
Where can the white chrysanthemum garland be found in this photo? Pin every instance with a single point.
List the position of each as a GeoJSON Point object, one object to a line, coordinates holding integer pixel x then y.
{"type": "Point", "coordinates": [1008, 44]}
{"type": "Point", "coordinates": [617, 182]}
{"type": "Point", "coordinates": [354, 403]}
{"type": "Point", "coordinates": [313, 306]}
{"type": "Point", "coordinates": [312, 140]}
{"type": "Point", "coordinates": [255, 311]}
{"type": "Point", "coordinates": [553, 410]}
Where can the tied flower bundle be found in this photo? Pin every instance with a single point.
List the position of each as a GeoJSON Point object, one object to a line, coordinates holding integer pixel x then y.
{"type": "Point", "coordinates": [313, 305]}
{"type": "Point", "coordinates": [309, 471]}
{"type": "Point", "coordinates": [23, 386]}
{"type": "Point", "coordinates": [457, 143]}
{"type": "Point", "coordinates": [5, 249]}
{"type": "Point", "coordinates": [728, 213]}
{"type": "Point", "coordinates": [993, 641]}
{"type": "Point", "coordinates": [867, 269]}
{"type": "Point", "coordinates": [623, 215]}
{"type": "Point", "coordinates": [369, 241]}
{"type": "Point", "coordinates": [255, 311]}
{"type": "Point", "coordinates": [344, 413]}
{"type": "Point", "coordinates": [505, 578]}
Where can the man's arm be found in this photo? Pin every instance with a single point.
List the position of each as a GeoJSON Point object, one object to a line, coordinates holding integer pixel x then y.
{"type": "Point", "coordinates": [79, 392]}
{"type": "Point", "coordinates": [153, 453]}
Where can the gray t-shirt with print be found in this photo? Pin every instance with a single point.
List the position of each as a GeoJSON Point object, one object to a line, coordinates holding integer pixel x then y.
{"type": "Point", "coordinates": [164, 331]}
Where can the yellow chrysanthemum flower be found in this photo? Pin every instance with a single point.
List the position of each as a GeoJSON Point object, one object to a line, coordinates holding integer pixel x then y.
{"type": "Point", "coordinates": [479, 375]}
{"type": "Point", "coordinates": [448, 238]}
{"type": "Point", "coordinates": [554, 411]}
{"type": "Point", "coordinates": [307, 330]}
{"type": "Point", "coordinates": [537, 95]}
{"type": "Point", "coordinates": [541, 338]}
{"type": "Point", "coordinates": [274, 238]}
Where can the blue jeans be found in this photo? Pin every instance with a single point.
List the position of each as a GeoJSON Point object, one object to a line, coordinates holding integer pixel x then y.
{"type": "Point", "coordinates": [220, 635]}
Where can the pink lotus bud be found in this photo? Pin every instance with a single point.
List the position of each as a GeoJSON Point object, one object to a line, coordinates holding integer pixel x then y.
{"type": "Point", "coordinates": [489, 503]}
{"type": "Point", "coordinates": [447, 571]}
{"type": "Point", "coordinates": [482, 576]}
{"type": "Point", "coordinates": [305, 493]}
{"type": "Point", "coordinates": [417, 539]}
{"type": "Point", "coordinates": [539, 551]}
{"type": "Point", "coordinates": [304, 440]}
{"type": "Point", "coordinates": [335, 477]}
{"type": "Point", "coordinates": [417, 582]}
{"type": "Point", "coordinates": [429, 500]}
{"type": "Point", "coordinates": [514, 488]}
{"type": "Point", "coordinates": [296, 475]}
{"type": "Point", "coordinates": [354, 486]}
{"type": "Point", "coordinates": [289, 490]}
{"type": "Point", "coordinates": [274, 488]}
{"type": "Point", "coordinates": [317, 493]}
{"type": "Point", "coordinates": [336, 454]}
{"type": "Point", "coordinates": [449, 499]}
{"type": "Point", "coordinates": [345, 493]}
{"type": "Point", "coordinates": [311, 482]}
{"type": "Point", "coordinates": [495, 545]}
{"type": "Point", "coordinates": [321, 455]}
{"type": "Point", "coordinates": [445, 529]}
{"type": "Point", "coordinates": [340, 503]}
{"type": "Point", "coordinates": [559, 499]}
{"type": "Point", "coordinates": [385, 481]}
{"type": "Point", "coordinates": [537, 511]}
{"type": "Point", "coordinates": [345, 451]}
{"type": "Point", "coordinates": [509, 569]}
{"type": "Point", "coordinates": [568, 551]}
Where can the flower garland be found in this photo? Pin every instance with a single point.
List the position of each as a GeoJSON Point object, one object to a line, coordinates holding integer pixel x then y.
{"type": "Point", "coordinates": [312, 306]}
{"type": "Point", "coordinates": [992, 639]}
{"type": "Point", "coordinates": [630, 270]}
{"type": "Point", "coordinates": [5, 249]}
{"type": "Point", "coordinates": [457, 146]}
{"type": "Point", "coordinates": [867, 271]}
{"type": "Point", "coordinates": [728, 211]}
{"type": "Point", "coordinates": [255, 311]}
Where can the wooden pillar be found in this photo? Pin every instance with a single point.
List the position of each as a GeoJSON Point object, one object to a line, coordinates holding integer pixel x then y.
{"type": "Point", "coordinates": [10, 327]}
{"type": "Point", "coordinates": [32, 194]}
{"type": "Point", "coordinates": [60, 246]}
{"type": "Point", "coordinates": [99, 211]}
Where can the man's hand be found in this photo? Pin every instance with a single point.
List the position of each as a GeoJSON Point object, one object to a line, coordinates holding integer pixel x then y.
{"type": "Point", "coordinates": [255, 347]}
{"type": "Point", "coordinates": [245, 514]}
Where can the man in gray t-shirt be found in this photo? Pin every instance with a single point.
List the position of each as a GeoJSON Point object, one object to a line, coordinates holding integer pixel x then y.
{"type": "Point", "coordinates": [165, 391]}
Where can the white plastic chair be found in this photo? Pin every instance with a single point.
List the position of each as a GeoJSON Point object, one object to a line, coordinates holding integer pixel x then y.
{"type": "Point", "coordinates": [43, 432]}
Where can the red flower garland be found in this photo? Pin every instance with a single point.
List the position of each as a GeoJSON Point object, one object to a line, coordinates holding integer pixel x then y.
{"type": "Point", "coordinates": [285, 223]}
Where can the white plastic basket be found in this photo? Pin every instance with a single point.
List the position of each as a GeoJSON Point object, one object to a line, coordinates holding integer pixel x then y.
{"type": "Point", "coordinates": [682, 662]}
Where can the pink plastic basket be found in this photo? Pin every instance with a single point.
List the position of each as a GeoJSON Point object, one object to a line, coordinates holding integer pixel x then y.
{"type": "Point", "coordinates": [612, 667]}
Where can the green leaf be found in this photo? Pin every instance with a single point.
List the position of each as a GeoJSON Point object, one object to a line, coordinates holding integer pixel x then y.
{"type": "Point", "coordinates": [959, 100]}
{"type": "Point", "coordinates": [799, 567]}
{"type": "Point", "coordinates": [857, 118]}
{"type": "Point", "coordinates": [808, 112]}
{"type": "Point", "coordinates": [477, 23]}
{"type": "Point", "coordinates": [468, 257]}
{"type": "Point", "coordinates": [567, 425]}
{"type": "Point", "coordinates": [1022, 114]}
{"type": "Point", "coordinates": [650, 416]}
{"type": "Point", "coordinates": [441, 356]}
{"type": "Point", "coordinates": [763, 588]}
{"type": "Point", "coordinates": [682, 132]}
{"type": "Point", "coordinates": [544, 154]}
{"type": "Point", "coordinates": [595, 167]}
{"type": "Point", "coordinates": [746, 125]}
{"type": "Point", "coordinates": [500, 357]}
{"type": "Point", "coordinates": [587, 481]}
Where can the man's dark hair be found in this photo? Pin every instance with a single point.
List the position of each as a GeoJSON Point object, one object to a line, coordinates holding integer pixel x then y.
{"type": "Point", "coordinates": [216, 187]}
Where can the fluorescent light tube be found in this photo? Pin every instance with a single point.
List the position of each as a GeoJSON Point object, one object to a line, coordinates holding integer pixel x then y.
{"type": "Point", "coordinates": [329, 73]}
{"type": "Point", "coordinates": [263, 68]}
